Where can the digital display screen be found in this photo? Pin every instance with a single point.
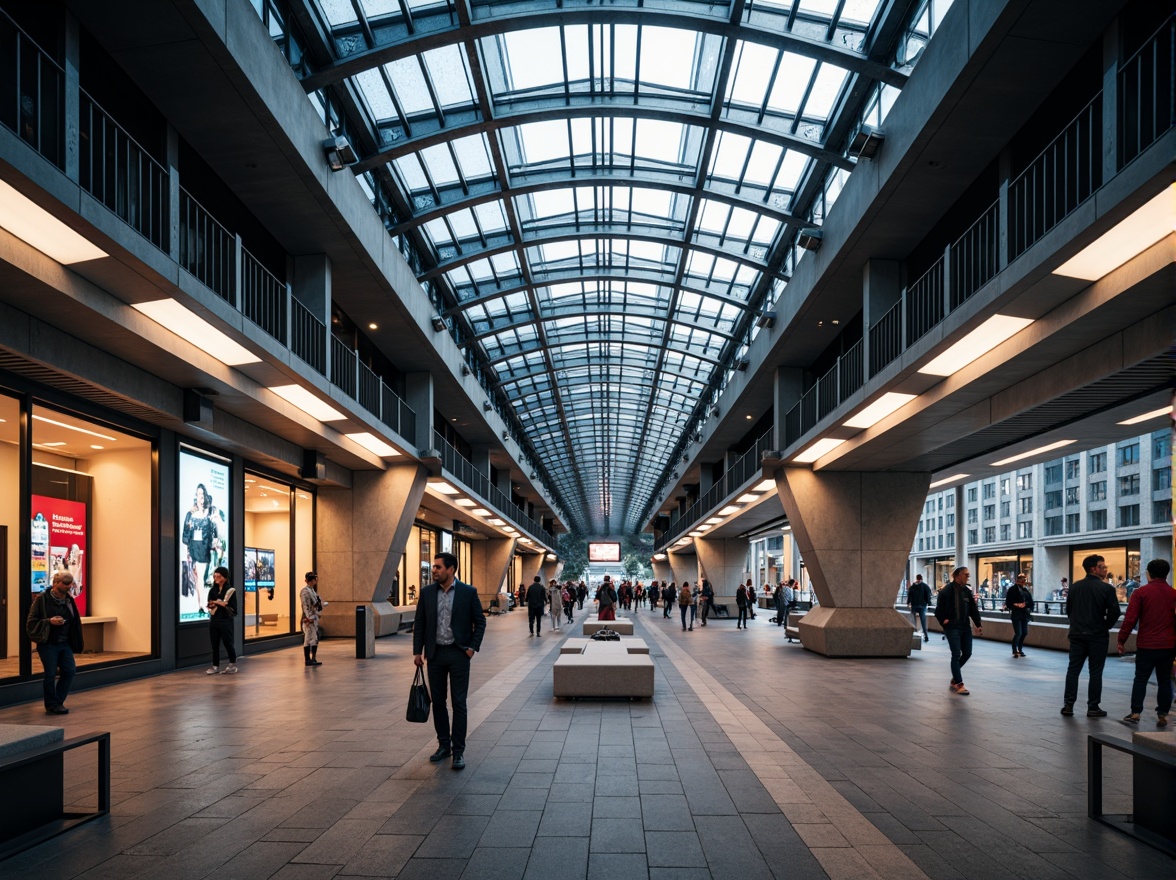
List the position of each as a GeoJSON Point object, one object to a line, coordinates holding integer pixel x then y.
{"type": "Point", "coordinates": [203, 528]}
{"type": "Point", "coordinates": [259, 569]}
{"type": "Point", "coordinates": [604, 552]}
{"type": "Point", "coordinates": [59, 544]}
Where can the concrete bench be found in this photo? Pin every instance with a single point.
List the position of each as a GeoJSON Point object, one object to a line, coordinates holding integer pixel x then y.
{"type": "Point", "coordinates": [32, 762]}
{"type": "Point", "coordinates": [603, 669]}
{"type": "Point", "coordinates": [1052, 633]}
{"type": "Point", "coordinates": [577, 646]}
{"type": "Point", "coordinates": [594, 625]}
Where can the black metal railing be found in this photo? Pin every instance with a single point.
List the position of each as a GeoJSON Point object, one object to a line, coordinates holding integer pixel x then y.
{"type": "Point", "coordinates": [1063, 176]}
{"type": "Point", "coordinates": [308, 337]}
{"type": "Point", "coordinates": [975, 256]}
{"type": "Point", "coordinates": [32, 93]}
{"type": "Point", "coordinates": [368, 389]}
{"type": "Point", "coordinates": [925, 306]}
{"type": "Point", "coordinates": [397, 414]}
{"type": "Point", "coordinates": [123, 176]}
{"type": "Point", "coordinates": [263, 297]}
{"type": "Point", "coordinates": [1147, 93]}
{"type": "Point", "coordinates": [886, 339]}
{"type": "Point", "coordinates": [344, 361]}
{"type": "Point", "coordinates": [207, 250]}
{"type": "Point", "coordinates": [850, 371]}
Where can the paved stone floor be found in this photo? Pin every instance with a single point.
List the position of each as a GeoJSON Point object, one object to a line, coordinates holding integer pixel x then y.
{"type": "Point", "coordinates": [755, 759]}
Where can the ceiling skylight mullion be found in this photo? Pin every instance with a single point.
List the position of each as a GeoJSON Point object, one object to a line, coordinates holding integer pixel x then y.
{"type": "Point", "coordinates": [834, 19]}
{"type": "Point", "coordinates": [805, 97]}
{"type": "Point", "coordinates": [431, 90]}
{"type": "Point", "coordinates": [396, 103]}
{"type": "Point", "coordinates": [763, 110]}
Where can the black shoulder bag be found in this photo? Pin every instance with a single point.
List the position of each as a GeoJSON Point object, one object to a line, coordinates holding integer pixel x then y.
{"type": "Point", "coordinates": [418, 700]}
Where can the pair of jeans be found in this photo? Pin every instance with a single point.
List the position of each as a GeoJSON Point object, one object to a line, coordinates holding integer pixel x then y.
{"type": "Point", "coordinates": [1020, 630]}
{"type": "Point", "coordinates": [55, 657]}
{"type": "Point", "coordinates": [449, 673]}
{"type": "Point", "coordinates": [684, 609]}
{"type": "Point", "coordinates": [221, 632]}
{"type": "Point", "coordinates": [919, 615]}
{"type": "Point", "coordinates": [959, 639]}
{"type": "Point", "coordinates": [742, 617]}
{"type": "Point", "coordinates": [1084, 649]}
{"type": "Point", "coordinates": [704, 609]}
{"type": "Point", "coordinates": [535, 619]}
{"type": "Point", "coordinates": [1147, 661]}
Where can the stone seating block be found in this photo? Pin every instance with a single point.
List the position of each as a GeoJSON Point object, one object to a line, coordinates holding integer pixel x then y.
{"type": "Point", "coordinates": [603, 673]}
{"type": "Point", "coordinates": [17, 738]}
{"type": "Point", "coordinates": [593, 625]}
{"type": "Point", "coordinates": [1160, 740]}
{"type": "Point", "coordinates": [577, 646]}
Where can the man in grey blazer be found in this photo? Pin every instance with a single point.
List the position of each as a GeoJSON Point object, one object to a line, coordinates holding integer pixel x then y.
{"type": "Point", "coordinates": [447, 631]}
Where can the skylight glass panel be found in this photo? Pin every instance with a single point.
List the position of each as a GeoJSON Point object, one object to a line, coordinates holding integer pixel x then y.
{"type": "Point", "coordinates": [765, 229]}
{"type": "Point", "coordinates": [581, 136]}
{"type": "Point", "coordinates": [409, 83]}
{"type": "Point", "coordinates": [533, 58]}
{"type": "Point", "coordinates": [490, 217]}
{"type": "Point", "coordinates": [480, 270]}
{"type": "Point", "coordinates": [667, 56]}
{"type": "Point", "coordinates": [660, 140]}
{"type": "Point", "coordinates": [576, 51]}
{"type": "Point", "coordinates": [338, 12]}
{"type": "Point", "coordinates": [791, 82]}
{"type": "Point", "coordinates": [374, 8]}
{"type": "Point", "coordinates": [762, 163]}
{"type": "Point", "coordinates": [791, 170]}
{"type": "Point", "coordinates": [564, 291]}
{"type": "Point", "coordinates": [713, 216]}
{"type": "Point", "coordinates": [860, 12]}
{"type": "Point", "coordinates": [753, 70]}
{"type": "Point", "coordinates": [376, 94]}
{"type": "Point", "coordinates": [556, 251]}
{"type": "Point", "coordinates": [505, 263]}
{"type": "Point", "coordinates": [439, 164]}
{"type": "Point", "coordinates": [652, 251]}
{"type": "Point", "coordinates": [823, 8]}
{"type": "Point", "coordinates": [438, 232]}
{"type": "Point", "coordinates": [651, 202]}
{"type": "Point", "coordinates": [551, 203]}
{"type": "Point", "coordinates": [741, 224]}
{"type": "Point", "coordinates": [543, 141]}
{"type": "Point", "coordinates": [411, 171]}
{"type": "Point", "coordinates": [730, 152]}
{"type": "Point", "coordinates": [826, 88]}
{"type": "Point", "coordinates": [474, 156]}
{"type": "Point", "coordinates": [447, 70]}
{"type": "Point", "coordinates": [463, 224]}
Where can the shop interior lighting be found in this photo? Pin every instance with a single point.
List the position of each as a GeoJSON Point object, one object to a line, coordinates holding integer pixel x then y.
{"type": "Point", "coordinates": [35, 226]}
{"type": "Point", "coordinates": [947, 480]}
{"type": "Point", "coordinates": [1126, 240]}
{"type": "Point", "coordinates": [298, 396]}
{"type": "Point", "coordinates": [372, 443]}
{"type": "Point", "coordinates": [188, 325]}
{"type": "Point", "coordinates": [1049, 447]}
{"type": "Point", "coordinates": [1147, 416]}
{"type": "Point", "coordinates": [818, 449]}
{"type": "Point", "coordinates": [52, 445]}
{"type": "Point", "coordinates": [765, 486]}
{"type": "Point", "coordinates": [96, 446]}
{"type": "Point", "coordinates": [976, 344]}
{"type": "Point", "coordinates": [729, 509]}
{"type": "Point", "coordinates": [879, 409]}
{"type": "Point", "coordinates": [747, 499]}
{"type": "Point", "coordinates": [49, 421]}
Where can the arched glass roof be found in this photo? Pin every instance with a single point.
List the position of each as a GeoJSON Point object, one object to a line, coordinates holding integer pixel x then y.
{"type": "Point", "coordinates": [600, 197]}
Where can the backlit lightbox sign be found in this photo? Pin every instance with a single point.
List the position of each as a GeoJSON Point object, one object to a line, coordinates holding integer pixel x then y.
{"type": "Point", "coordinates": [205, 492]}
{"type": "Point", "coordinates": [604, 552]}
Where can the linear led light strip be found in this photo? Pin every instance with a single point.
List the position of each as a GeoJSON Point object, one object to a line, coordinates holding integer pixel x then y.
{"type": "Point", "coordinates": [1126, 240]}
{"type": "Point", "coordinates": [49, 421]}
{"type": "Point", "coordinates": [35, 226]}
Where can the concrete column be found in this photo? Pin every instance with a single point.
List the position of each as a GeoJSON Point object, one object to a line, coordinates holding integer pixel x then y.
{"type": "Point", "coordinates": [418, 394]}
{"type": "Point", "coordinates": [491, 563]}
{"type": "Point", "coordinates": [881, 289]}
{"type": "Point", "coordinates": [550, 568]}
{"type": "Point", "coordinates": [312, 285]}
{"type": "Point", "coordinates": [961, 527]}
{"type": "Point", "coordinates": [1050, 565]}
{"type": "Point", "coordinates": [664, 570]}
{"type": "Point", "coordinates": [854, 531]}
{"type": "Point", "coordinates": [722, 561]}
{"type": "Point", "coordinates": [789, 386]}
{"type": "Point", "coordinates": [480, 458]}
{"type": "Point", "coordinates": [361, 535]}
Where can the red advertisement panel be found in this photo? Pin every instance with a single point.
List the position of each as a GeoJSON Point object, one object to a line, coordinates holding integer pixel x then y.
{"type": "Point", "coordinates": [59, 544]}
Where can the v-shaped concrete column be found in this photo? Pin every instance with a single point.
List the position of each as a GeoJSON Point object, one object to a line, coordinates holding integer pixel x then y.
{"type": "Point", "coordinates": [854, 531]}
{"type": "Point", "coordinates": [361, 534]}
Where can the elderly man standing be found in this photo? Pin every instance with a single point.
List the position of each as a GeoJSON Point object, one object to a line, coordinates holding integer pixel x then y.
{"type": "Point", "coordinates": [1153, 608]}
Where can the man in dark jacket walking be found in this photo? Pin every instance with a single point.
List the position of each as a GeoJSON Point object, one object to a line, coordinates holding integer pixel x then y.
{"type": "Point", "coordinates": [536, 600]}
{"type": "Point", "coordinates": [918, 598]}
{"type": "Point", "coordinates": [956, 611]}
{"type": "Point", "coordinates": [1153, 607]}
{"type": "Point", "coordinates": [1093, 608]}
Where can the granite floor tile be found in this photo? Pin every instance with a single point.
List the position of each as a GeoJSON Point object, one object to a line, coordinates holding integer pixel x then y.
{"type": "Point", "coordinates": [617, 866]}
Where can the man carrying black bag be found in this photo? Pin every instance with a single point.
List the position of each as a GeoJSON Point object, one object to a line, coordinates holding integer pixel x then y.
{"type": "Point", "coordinates": [447, 632]}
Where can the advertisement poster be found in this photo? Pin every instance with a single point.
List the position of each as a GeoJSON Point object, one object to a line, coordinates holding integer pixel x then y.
{"type": "Point", "coordinates": [59, 544]}
{"type": "Point", "coordinates": [259, 569]}
{"type": "Point", "coordinates": [203, 528]}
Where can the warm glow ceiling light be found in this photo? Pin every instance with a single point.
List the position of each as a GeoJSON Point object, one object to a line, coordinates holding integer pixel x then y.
{"type": "Point", "coordinates": [496, 522]}
{"type": "Point", "coordinates": [766, 486]}
{"type": "Point", "coordinates": [33, 225]}
{"type": "Point", "coordinates": [879, 409]}
{"type": "Point", "coordinates": [188, 325]}
{"type": "Point", "coordinates": [307, 402]}
{"type": "Point", "coordinates": [979, 342]}
{"type": "Point", "coordinates": [714, 520]}
{"type": "Point", "coordinates": [480, 511]}
{"type": "Point", "coordinates": [695, 534]}
{"type": "Point", "coordinates": [1126, 240]}
{"type": "Point", "coordinates": [947, 480]}
{"type": "Point", "coordinates": [1147, 416]}
{"type": "Point", "coordinates": [465, 502]}
{"type": "Point", "coordinates": [1049, 447]}
{"type": "Point", "coordinates": [49, 421]}
{"type": "Point", "coordinates": [443, 488]}
{"type": "Point", "coordinates": [659, 557]}
{"type": "Point", "coordinates": [372, 443]}
{"type": "Point", "coordinates": [746, 499]}
{"type": "Point", "coordinates": [821, 447]}
{"type": "Point", "coordinates": [729, 509]}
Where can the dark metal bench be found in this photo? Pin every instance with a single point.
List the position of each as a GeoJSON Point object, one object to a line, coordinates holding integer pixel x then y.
{"type": "Point", "coordinates": [1153, 795]}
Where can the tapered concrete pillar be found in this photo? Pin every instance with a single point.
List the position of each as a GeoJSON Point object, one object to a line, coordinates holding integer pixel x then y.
{"type": "Point", "coordinates": [854, 531]}
{"type": "Point", "coordinates": [491, 562]}
{"type": "Point", "coordinates": [722, 561]}
{"type": "Point", "coordinates": [361, 535]}
{"type": "Point", "coordinates": [550, 568]}
{"type": "Point", "coordinates": [664, 570]}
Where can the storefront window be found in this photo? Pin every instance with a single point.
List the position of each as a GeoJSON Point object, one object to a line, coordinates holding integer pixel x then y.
{"type": "Point", "coordinates": [91, 509]}
{"type": "Point", "coordinates": [465, 560]}
{"type": "Point", "coordinates": [1122, 566]}
{"type": "Point", "coordinates": [274, 567]}
{"type": "Point", "coordinates": [995, 574]}
{"type": "Point", "coordinates": [10, 632]}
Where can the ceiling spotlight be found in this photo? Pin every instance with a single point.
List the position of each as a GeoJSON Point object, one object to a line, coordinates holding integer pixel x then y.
{"type": "Point", "coordinates": [742, 364]}
{"type": "Point", "coordinates": [533, 475]}
{"type": "Point", "coordinates": [465, 369]}
{"type": "Point", "coordinates": [339, 153]}
{"type": "Point", "coordinates": [487, 405]}
{"type": "Point", "coordinates": [506, 435]}
{"type": "Point", "coordinates": [867, 142]}
{"type": "Point", "coordinates": [766, 320]}
{"type": "Point", "coordinates": [438, 323]}
{"type": "Point", "coordinates": [373, 326]}
{"type": "Point", "coordinates": [810, 239]}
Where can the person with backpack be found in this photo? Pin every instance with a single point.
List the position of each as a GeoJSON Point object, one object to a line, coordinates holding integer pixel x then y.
{"type": "Point", "coordinates": [684, 600]}
{"type": "Point", "coordinates": [606, 596]}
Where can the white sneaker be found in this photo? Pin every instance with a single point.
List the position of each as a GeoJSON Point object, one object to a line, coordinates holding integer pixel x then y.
{"type": "Point", "coordinates": [212, 670]}
{"type": "Point", "coordinates": [230, 669]}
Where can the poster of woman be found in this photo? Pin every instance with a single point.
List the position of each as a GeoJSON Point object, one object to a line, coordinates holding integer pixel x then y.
{"type": "Point", "coordinates": [204, 529]}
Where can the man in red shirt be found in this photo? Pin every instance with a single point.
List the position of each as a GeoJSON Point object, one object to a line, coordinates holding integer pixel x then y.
{"type": "Point", "coordinates": [1153, 606]}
